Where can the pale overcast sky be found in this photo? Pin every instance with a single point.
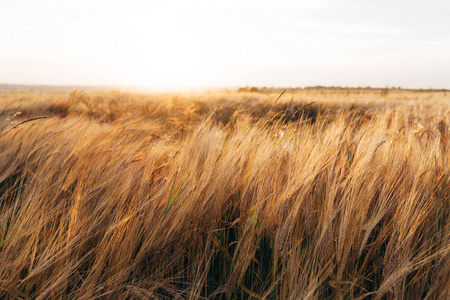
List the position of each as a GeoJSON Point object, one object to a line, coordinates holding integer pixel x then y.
{"type": "Point", "coordinates": [226, 43]}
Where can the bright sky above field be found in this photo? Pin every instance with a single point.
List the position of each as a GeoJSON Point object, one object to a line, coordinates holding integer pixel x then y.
{"type": "Point", "coordinates": [226, 43]}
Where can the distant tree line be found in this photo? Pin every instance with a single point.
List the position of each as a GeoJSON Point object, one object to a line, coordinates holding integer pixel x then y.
{"type": "Point", "coordinates": [254, 89]}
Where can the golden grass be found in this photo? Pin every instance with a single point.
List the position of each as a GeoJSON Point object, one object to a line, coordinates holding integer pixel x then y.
{"type": "Point", "coordinates": [225, 196]}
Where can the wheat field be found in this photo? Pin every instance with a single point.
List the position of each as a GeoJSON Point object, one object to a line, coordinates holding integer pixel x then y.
{"type": "Point", "coordinates": [312, 194]}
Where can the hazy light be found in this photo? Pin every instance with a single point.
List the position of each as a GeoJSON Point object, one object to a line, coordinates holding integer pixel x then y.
{"type": "Point", "coordinates": [226, 43]}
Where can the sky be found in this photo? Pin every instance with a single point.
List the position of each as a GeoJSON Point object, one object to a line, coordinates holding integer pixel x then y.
{"type": "Point", "coordinates": [204, 43]}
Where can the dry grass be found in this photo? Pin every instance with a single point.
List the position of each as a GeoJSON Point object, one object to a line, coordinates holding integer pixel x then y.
{"type": "Point", "coordinates": [225, 196]}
